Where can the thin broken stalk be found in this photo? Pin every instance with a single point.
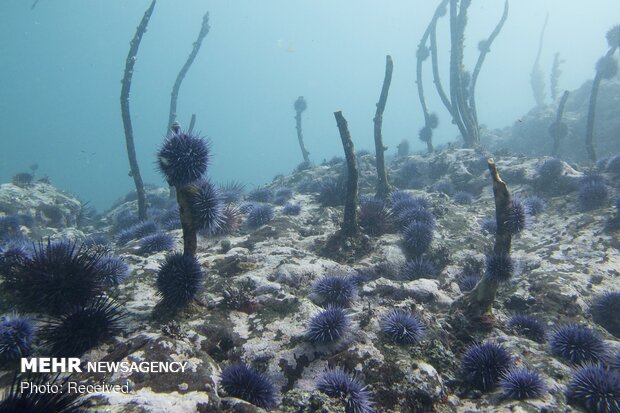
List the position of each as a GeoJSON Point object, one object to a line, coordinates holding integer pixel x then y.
{"type": "Point", "coordinates": [174, 95]}
{"type": "Point", "coordinates": [592, 108]}
{"type": "Point", "coordinates": [421, 55]}
{"type": "Point", "coordinates": [484, 50]}
{"type": "Point", "coordinates": [558, 129]}
{"type": "Point", "coordinates": [300, 106]}
{"type": "Point", "coordinates": [476, 307]}
{"type": "Point", "coordinates": [349, 225]}
{"type": "Point", "coordinates": [383, 188]}
{"type": "Point", "coordinates": [125, 88]}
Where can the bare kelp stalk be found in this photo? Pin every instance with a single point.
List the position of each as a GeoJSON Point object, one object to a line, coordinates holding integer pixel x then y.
{"type": "Point", "coordinates": [350, 225]}
{"type": "Point", "coordinates": [606, 68]}
{"type": "Point", "coordinates": [461, 101]}
{"type": "Point", "coordinates": [300, 106]}
{"type": "Point", "coordinates": [484, 47]}
{"type": "Point", "coordinates": [125, 88]}
{"type": "Point", "coordinates": [537, 80]}
{"type": "Point", "coordinates": [174, 95]}
{"type": "Point", "coordinates": [383, 188]}
{"type": "Point", "coordinates": [474, 311]}
{"type": "Point", "coordinates": [558, 129]}
{"type": "Point", "coordinates": [426, 133]}
{"type": "Point", "coordinates": [554, 77]}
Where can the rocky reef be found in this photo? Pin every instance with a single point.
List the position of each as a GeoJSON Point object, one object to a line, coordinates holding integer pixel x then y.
{"type": "Point", "coordinates": [530, 135]}
{"type": "Point", "coordinates": [267, 299]}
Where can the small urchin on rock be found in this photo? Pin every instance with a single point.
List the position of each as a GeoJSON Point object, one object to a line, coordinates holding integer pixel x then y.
{"type": "Point", "coordinates": [329, 326]}
{"type": "Point", "coordinates": [339, 384]}
{"type": "Point", "coordinates": [247, 383]}
{"type": "Point", "coordinates": [605, 311]}
{"type": "Point", "coordinates": [335, 290]}
{"type": "Point", "coordinates": [592, 195]}
{"type": "Point", "coordinates": [136, 231]}
{"type": "Point", "coordinates": [154, 243]}
{"type": "Point", "coordinates": [178, 280]}
{"type": "Point", "coordinates": [578, 345]}
{"type": "Point", "coordinates": [522, 383]}
{"type": "Point", "coordinates": [259, 215]}
{"type": "Point", "coordinates": [402, 327]}
{"type": "Point", "coordinates": [596, 389]}
{"type": "Point", "coordinates": [417, 238]}
{"type": "Point", "coordinates": [113, 268]}
{"type": "Point", "coordinates": [16, 336]}
{"type": "Point", "coordinates": [418, 268]}
{"type": "Point", "coordinates": [484, 364]}
{"type": "Point", "coordinates": [529, 327]}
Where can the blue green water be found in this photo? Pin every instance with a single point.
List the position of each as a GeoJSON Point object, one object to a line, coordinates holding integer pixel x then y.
{"type": "Point", "coordinates": [61, 65]}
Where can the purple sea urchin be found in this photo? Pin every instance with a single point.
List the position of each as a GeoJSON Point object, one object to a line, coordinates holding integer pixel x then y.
{"type": "Point", "coordinates": [521, 384]}
{"type": "Point", "coordinates": [528, 326]}
{"type": "Point", "coordinates": [484, 364]}
{"type": "Point", "coordinates": [489, 225]}
{"type": "Point", "coordinates": [291, 209]}
{"type": "Point", "coordinates": [593, 195]}
{"type": "Point", "coordinates": [578, 345]}
{"type": "Point", "coordinates": [373, 215]}
{"type": "Point", "coordinates": [246, 383]}
{"type": "Point", "coordinates": [10, 225]}
{"type": "Point", "coordinates": [516, 219]}
{"type": "Point", "coordinates": [178, 280]}
{"type": "Point", "coordinates": [114, 269]}
{"type": "Point", "coordinates": [467, 282]}
{"type": "Point", "coordinates": [259, 215]}
{"type": "Point", "coordinates": [331, 193]}
{"type": "Point", "coordinates": [137, 231]}
{"type": "Point", "coordinates": [183, 158]}
{"type": "Point", "coordinates": [417, 238]}
{"type": "Point", "coordinates": [12, 255]}
{"type": "Point", "coordinates": [231, 192]}
{"type": "Point", "coordinates": [605, 311]}
{"type": "Point", "coordinates": [534, 204]}
{"type": "Point", "coordinates": [328, 326]}
{"type": "Point", "coordinates": [499, 267]}
{"type": "Point", "coordinates": [206, 206]}
{"type": "Point", "coordinates": [260, 195]}
{"type": "Point", "coordinates": [231, 220]}
{"type": "Point", "coordinates": [16, 335]}
{"type": "Point", "coordinates": [83, 328]}
{"type": "Point", "coordinates": [595, 389]}
{"type": "Point", "coordinates": [415, 214]}
{"type": "Point", "coordinates": [335, 290]}
{"type": "Point", "coordinates": [339, 384]}
{"type": "Point", "coordinates": [418, 268]}
{"type": "Point", "coordinates": [58, 277]}
{"type": "Point", "coordinates": [155, 243]}
{"type": "Point", "coordinates": [402, 327]}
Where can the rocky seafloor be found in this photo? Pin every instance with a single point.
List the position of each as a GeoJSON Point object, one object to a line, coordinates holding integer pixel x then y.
{"type": "Point", "coordinates": [257, 296]}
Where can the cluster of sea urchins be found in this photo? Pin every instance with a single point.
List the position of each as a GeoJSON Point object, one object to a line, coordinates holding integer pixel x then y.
{"type": "Point", "coordinates": [183, 160]}
{"type": "Point", "coordinates": [68, 284]}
